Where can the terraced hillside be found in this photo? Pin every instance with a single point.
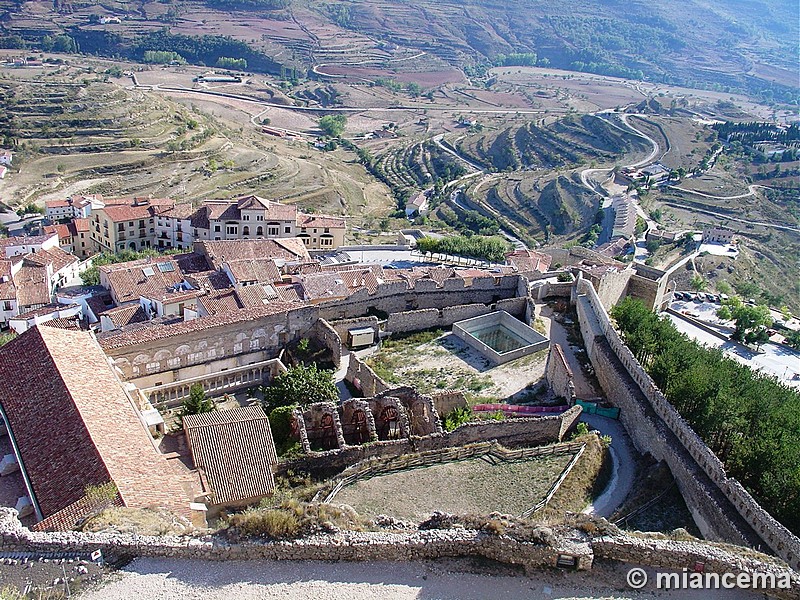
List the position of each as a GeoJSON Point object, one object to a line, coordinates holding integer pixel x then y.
{"type": "Point", "coordinates": [100, 137]}
{"type": "Point", "coordinates": [536, 207]}
{"type": "Point", "coordinates": [745, 45]}
{"type": "Point", "coordinates": [534, 145]}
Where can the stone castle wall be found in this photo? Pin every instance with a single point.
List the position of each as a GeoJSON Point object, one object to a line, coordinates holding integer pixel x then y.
{"type": "Point", "coordinates": [558, 374]}
{"type": "Point", "coordinates": [165, 360]}
{"type": "Point", "coordinates": [722, 508]}
{"type": "Point", "coordinates": [403, 546]}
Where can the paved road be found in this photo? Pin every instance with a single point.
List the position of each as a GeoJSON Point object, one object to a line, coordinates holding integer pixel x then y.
{"type": "Point", "coordinates": [623, 456]}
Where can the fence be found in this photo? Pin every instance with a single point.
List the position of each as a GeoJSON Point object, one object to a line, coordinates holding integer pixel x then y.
{"type": "Point", "coordinates": [592, 408]}
{"type": "Point", "coordinates": [521, 411]}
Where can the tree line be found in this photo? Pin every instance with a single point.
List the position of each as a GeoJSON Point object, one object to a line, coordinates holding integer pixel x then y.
{"type": "Point", "coordinates": [750, 420]}
{"type": "Point", "coordinates": [489, 248]}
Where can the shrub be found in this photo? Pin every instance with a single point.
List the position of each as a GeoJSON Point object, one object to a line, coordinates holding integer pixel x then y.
{"type": "Point", "coordinates": [270, 523]}
{"type": "Point", "coordinates": [458, 417]}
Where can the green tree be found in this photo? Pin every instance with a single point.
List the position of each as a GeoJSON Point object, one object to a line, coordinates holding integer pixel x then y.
{"type": "Point", "coordinates": [751, 321]}
{"type": "Point", "coordinates": [280, 422]}
{"type": "Point", "coordinates": [301, 385]}
{"type": "Point", "coordinates": [197, 403]}
{"type": "Point", "coordinates": [698, 283]}
{"type": "Point", "coordinates": [333, 125]}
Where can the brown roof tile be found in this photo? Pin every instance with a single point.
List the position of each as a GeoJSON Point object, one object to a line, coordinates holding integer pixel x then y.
{"type": "Point", "coordinates": [75, 426]}
{"type": "Point", "coordinates": [155, 279]}
{"type": "Point", "coordinates": [235, 451]}
{"type": "Point", "coordinates": [258, 270]}
{"type": "Point", "coordinates": [158, 331]}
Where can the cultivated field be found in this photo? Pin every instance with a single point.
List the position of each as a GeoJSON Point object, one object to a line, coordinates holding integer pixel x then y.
{"type": "Point", "coordinates": [470, 486]}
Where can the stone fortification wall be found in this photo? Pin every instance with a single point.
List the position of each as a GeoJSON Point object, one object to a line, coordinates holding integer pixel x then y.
{"type": "Point", "coordinates": [397, 296]}
{"type": "Point", "coordinates": [677, 555]}
{"type": "Point", "coordinates": [447, 402]}
{"type": "Point", "coordinates": [541, 290]}
{"type": "Point", "coordinates": [238, 344]}
{"type": "Point", "coordinates": [178, 357]}
{"type": "Point", "coordinates": [342, 546]}
{"type": "Point", "coordinates": [558, 374]}
{"type": "Point", "coordinates": [405, 546]}
{"type": "Point", "coordinates": [328, 336]}
{"type": "Point", "coordinates": [431, 318]}
{"type": "Point", "coordinates": [722, 508]}
{"type": "Point", "coordinates": [364, 378]}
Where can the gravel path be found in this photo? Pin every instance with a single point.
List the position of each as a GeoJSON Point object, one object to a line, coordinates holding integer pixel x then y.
{"type": "Point", "coordinates": [174, 579]}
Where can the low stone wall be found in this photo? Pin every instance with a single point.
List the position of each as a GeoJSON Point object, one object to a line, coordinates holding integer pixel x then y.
{"type": "Point", "coordinates": [432, 318]}
{"type": "Point", "coordinates": [342, 546]}
{"type": "Point", "coordinates": [669, 555]}
{"type": "Point", "coordinates": [513, 306]}
{"type": "Point", "coordinates": [511, 433]}
{"type": "Point", "coordinates": [328, 337]}
{"type": "Point", "coordinates": [447, 402]}
{"type": "Point", "coordinates": [364, 378]}
{"type": "Point", "coordinates": [342, 327]}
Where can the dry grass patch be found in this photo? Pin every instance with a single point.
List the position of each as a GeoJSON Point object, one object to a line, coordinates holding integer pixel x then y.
{"type": "Point", "coordinates": [142, 521]}
{"type": "Point", "coordinates": [469, 486]}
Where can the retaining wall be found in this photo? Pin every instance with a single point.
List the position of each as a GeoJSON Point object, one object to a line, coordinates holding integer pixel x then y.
{"type": "Point", "coordinates": [327, 336]}
{"type": "Point", "coordinates": [722, 508]}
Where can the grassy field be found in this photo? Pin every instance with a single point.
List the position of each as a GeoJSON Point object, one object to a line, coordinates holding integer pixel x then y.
{"type": "Point", "coordinates": [470, 486]}
{"type": "Point", "coordinates": [437, 360]}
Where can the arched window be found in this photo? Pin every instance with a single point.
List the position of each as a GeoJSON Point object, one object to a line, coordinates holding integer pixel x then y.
{"type": "Point", "coordinates": [260, 230]}
{"type": "Point", "coordinates": [245, 230]}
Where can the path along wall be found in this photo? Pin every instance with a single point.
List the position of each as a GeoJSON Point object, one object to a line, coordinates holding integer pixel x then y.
{"type": "Point", "coordinates": [722, 508]}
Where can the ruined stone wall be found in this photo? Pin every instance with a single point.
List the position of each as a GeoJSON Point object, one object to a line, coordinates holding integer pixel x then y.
{"type": "Point", "coordinates": [511, 433]}
{"type": "Point", "coordinates": [432, 318]}
{"type": "Point", "coordinates": [396, 296]}
{"type": "Point", "coordinates": [345, 546]}
{"type": "Point", "coordinates": [719, 504]}
{"type": "Point", "coordinates": [613, 286]}
{"type": "Point", "coordinates": [447, 402]}
{"type": "Point", "coordinates": [328, 337]}
{"type": "Point", "coordinates": [542, 290]}
{"type": "Point", "coordinates": [516, 307]}
{"type": "Point", "coordinates": [364, 378]}
{"type": "Point", "coordinates": [558, 374]}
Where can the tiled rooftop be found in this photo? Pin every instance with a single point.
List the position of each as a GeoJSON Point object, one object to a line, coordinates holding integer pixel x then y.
{"type": "Point", "coordinates": [75, 426]}
{"type": "Point", "coordinates": [235, 451]}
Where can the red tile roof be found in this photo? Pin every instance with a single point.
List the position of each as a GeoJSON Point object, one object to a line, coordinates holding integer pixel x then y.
{"type": "Point", "coordinates": [261, 271]}
{"type": "Point", "coordinates": [157, 331]}
{"type": "Point", "coordinates": [235, 452]}
{"type": "Point", "coordinates": [32, 286]}
{"type": "Point", "coordinates": [127, 315]}
{"type": "Point", "coordinates": [8, 291]}
{"type": "Point", "coordinates": [218, 252]}
{"type": "Point", "coordinates": [132, 280]}
{"type": "Point", "coordinates": [81, 225]}
{"type": "Point", "coordinates": [75, 426]}
{"type": "Point", "coordinates": [321, 221]}
{"type": "Point", "coordinates": [529, 261]}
